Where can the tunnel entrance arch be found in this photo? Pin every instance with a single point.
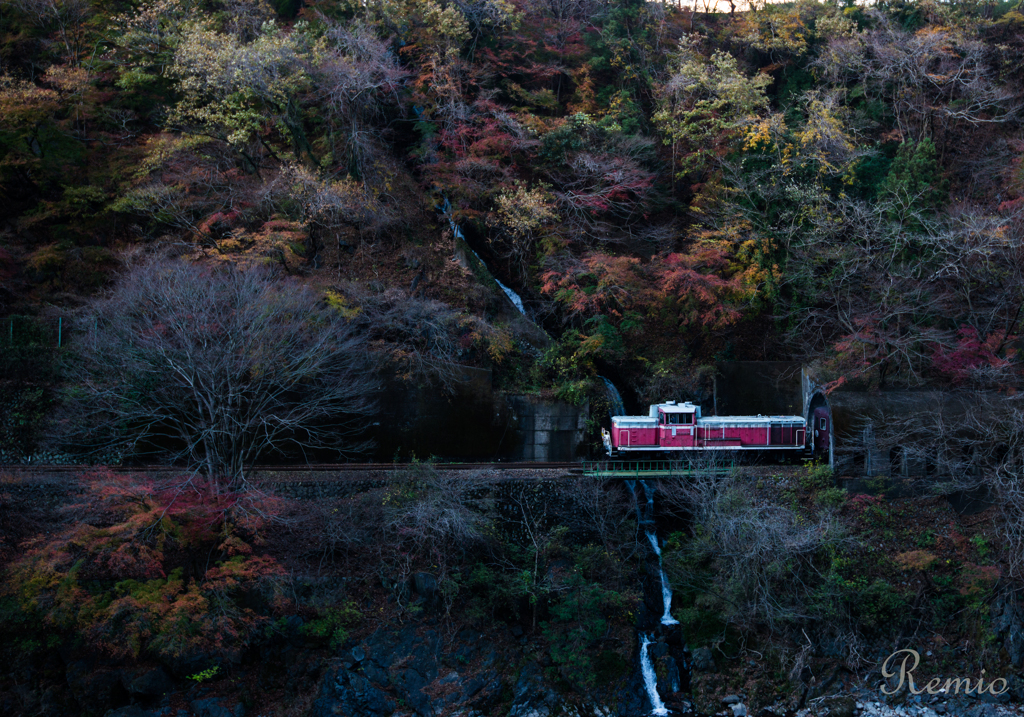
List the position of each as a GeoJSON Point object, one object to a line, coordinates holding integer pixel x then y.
{"type": "Point", "coordinates": [820, 428]}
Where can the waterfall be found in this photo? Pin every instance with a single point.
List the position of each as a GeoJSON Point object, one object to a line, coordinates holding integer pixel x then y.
{"type": "Point", "coordinates": [666, 590]}
{"type": "Point", "coordinates": [617, 407]}
{"type": "Point", "coordinates": [512, 296]}
{"type": "Point", "coordinates": [446, 209]}
{"type": "Point", "coordinates": [650, 678]}
{"type": "Point", "coordinates": [645, 517]}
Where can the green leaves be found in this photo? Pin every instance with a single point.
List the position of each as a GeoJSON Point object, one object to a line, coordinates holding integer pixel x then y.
{"type": "Point", "coordinates": [230, 87]}
{"type": "Point", "coordinates": [705, 103]}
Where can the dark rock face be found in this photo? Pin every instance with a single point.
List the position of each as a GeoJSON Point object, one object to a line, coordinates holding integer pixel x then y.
{"type": "Point", "coordinates": [668, 676]}
{"type": "Point", "coordinates": [407, 667]}
{"type": "Point", "coordinates": [131, 711]}
{"type": "Point", "coordinates": [841, 706]}
{"type": "Point", "coordinates": [214, 707]}
{"type": "Point", "coordinates": [95, 688]}
{"type": "Point", "coordinates": [1008, 624]}
{"type": "Point", "coordinates": [532, 697]}
{"type": "Point", "coordinates": [190, 662]}
{"type": "Point", "coordinates": [149, 683]}
{"type": "Point", "coordinates": [425, 585]}
{"type": "Point", "coordinates": [348, 693]}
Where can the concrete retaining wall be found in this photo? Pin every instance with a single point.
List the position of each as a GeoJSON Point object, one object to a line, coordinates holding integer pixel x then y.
{"type": "Point", "coordinates": [548, 430]}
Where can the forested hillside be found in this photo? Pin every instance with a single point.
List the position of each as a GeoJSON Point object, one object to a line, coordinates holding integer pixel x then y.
{"type": "Point", "coordinates": [225, 225]}
{"type": "Point", "coordinates": [664, 187]}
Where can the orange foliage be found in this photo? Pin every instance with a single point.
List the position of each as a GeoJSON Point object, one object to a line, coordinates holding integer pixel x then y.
{"type": "Point", "coordinates": [131, 575]}
{"type": "Point", "coordinates": [695, 286]}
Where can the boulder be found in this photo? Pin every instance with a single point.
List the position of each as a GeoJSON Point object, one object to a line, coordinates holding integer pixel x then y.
{"type": "Point", "coordinates": [840, 706]}
{"type": "Point", "coordinates": [703, 660]}
{"type": "Point", "coordinates": [55, 702]}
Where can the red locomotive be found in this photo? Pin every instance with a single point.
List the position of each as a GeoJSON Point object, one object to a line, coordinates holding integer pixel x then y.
{"type": "Point", "coordinates": [679, 427]}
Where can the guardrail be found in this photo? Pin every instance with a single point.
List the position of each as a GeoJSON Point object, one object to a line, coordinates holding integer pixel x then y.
{"type": "Point", "coordinates": [649, 469]}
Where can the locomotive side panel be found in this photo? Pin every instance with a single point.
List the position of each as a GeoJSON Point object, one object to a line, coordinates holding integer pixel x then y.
{"type": "Point", "coordinates": [634, 432]}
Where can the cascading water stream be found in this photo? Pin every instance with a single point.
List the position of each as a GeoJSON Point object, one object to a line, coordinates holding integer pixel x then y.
{"type": "Point", "coordinates": [617, 407]}
{"type": "Point", "coordinates": [650, 678]}
{"type": "Point", "coordinates": [645, 517]}
{"type": "Point", "coordinates": [666, 590]}
{"type": "Point", "coordinates": [517, 301]}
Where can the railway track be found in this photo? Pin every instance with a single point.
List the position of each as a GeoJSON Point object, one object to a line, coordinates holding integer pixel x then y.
{"type": "Point", "coordinates": [311, 468]}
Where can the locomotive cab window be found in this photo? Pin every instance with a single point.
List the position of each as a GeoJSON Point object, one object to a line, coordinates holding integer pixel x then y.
{"type": "Point", "coordinates": [677, 418]}
{"type": "Point", "coordinates": [823, 425]}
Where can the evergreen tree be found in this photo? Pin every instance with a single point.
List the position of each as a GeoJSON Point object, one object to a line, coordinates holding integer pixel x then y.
{"type": "Point", "coordinates": [915, 183]}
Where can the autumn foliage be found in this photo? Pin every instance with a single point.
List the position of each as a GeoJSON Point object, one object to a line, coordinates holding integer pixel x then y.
{"type": "Point", "coordinates": [157, 567]}
{"type": "Point", "coordinates": [836, 183]}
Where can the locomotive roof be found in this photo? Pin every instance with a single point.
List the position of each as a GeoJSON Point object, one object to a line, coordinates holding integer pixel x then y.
{"type": "Point", "coordinates": [647, 420]}
{"type": "Point", "coordinates": [673, 407]}
{"type": "Point", "coordinates": [752, 419]}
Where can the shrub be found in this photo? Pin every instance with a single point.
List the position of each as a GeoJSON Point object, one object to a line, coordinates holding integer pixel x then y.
{"type": "Point", "coordinates": [818, 476]}
{"type": "Point", "coordinates": [580, 615]}
{"type": "Point", "coordinates": [332, 624]}
{"type": "Point", "coordinates": [830, 498]}
{"type": "Point", "coordinates": [916, 560]}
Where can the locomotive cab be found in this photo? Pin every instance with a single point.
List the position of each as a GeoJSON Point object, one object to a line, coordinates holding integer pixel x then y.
{"type": "Point", "coordinates": [676, 424]}
{"type": "Point", "coordinates": [822, 428]}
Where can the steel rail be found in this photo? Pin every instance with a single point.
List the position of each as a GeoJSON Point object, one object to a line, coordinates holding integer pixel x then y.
{"type": "Point", "coordinates": [314, 467]}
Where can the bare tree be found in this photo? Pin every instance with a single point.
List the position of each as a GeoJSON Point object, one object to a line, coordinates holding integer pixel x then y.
{"type": "Point", "coordinates": [418, 338]}
{"type": "Point", "coordinates": [357, 82]}
{"type": "Point", "coordinates": [444, 509]}
{"type": "Point", "coordinates": [886, 286]}
{"type": "Point", "coordinates": [67, 19]}
{"type": "Point", "coordinates": [217, 368]}
{"type": "Point", "coordinates": [967, 441]}
{"type": "Point", "coordinates": [338, 530]}
{"type": "Point", "coordinates": [998, 450]}
{"type": "Point", "coordinates": [435, 516]}
{"type": "Point", "coordinates": [598, 510]}
{"type": "Point", "coordinates": [934, 78]}
{"type": "Point", "coordinates": [756, 557]}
